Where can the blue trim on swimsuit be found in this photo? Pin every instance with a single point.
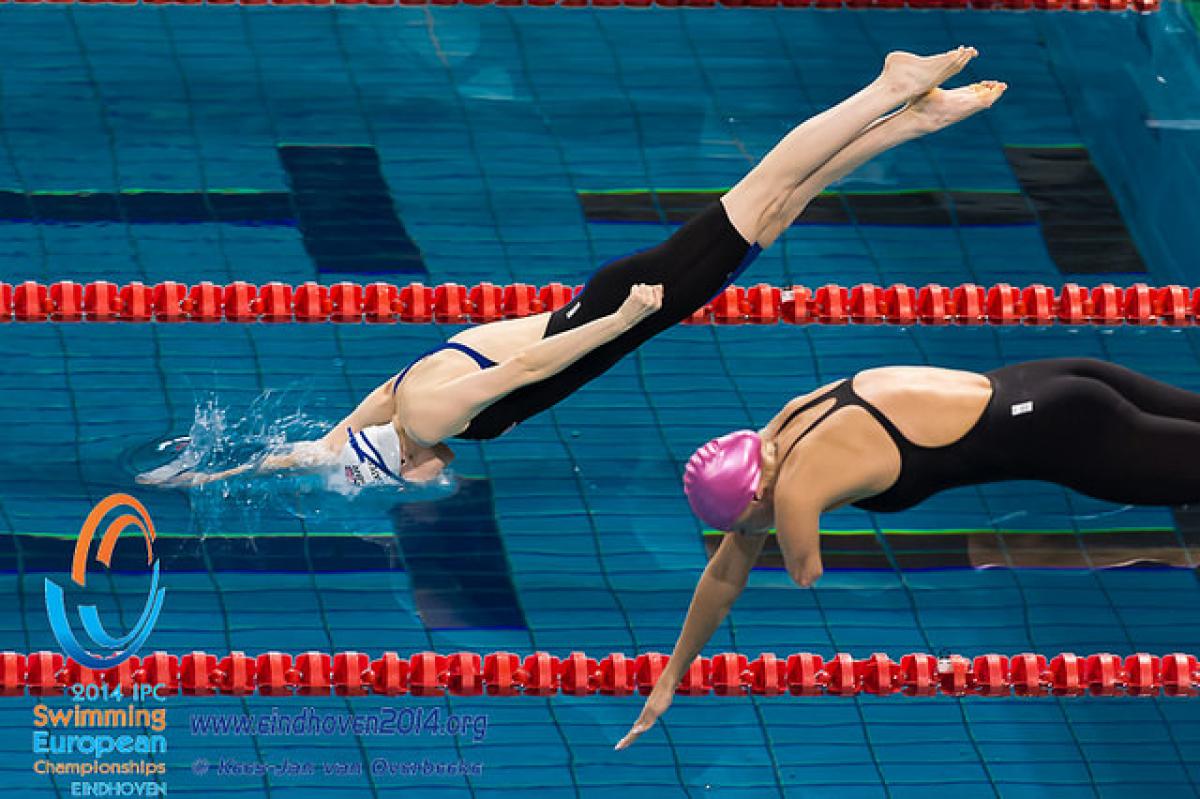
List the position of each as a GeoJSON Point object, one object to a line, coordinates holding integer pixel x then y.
{"type": "Point", "coordinates": [483, 361]}
{"type": "Point", "coordinates": [750, 257]}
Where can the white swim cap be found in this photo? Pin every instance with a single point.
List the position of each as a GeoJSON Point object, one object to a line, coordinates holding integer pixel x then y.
{"type": "Point", "coordinates": [371, 456]}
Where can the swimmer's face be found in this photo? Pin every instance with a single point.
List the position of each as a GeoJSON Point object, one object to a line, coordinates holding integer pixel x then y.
{"type": "Point", "coordinates": [758, 518]}
{"type": "Point", "coordinates": [424, 464]}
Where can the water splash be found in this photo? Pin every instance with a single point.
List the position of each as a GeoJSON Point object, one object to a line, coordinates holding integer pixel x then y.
{"type": "Point", "coordinates": [220, 438]}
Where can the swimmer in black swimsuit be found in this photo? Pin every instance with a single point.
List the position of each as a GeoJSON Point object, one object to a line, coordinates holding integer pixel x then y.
{"type": "Point", "coordinates": [489, 378]}
{"type": "Point", "coordinates": [888, 438]}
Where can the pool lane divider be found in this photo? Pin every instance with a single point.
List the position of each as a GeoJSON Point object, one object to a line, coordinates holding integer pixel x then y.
{"type": "Point", "coordinates": [430, 674]}
{"type": "Point", "coordinates": [967, 304]}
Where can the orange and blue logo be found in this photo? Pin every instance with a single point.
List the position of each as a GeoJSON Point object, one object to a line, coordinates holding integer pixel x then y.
{"type": "Point", "coordinates": [112, 650]}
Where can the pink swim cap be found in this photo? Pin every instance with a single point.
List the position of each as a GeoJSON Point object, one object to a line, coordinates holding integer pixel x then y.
{"type": "Point", "coordinates": [722, 476]}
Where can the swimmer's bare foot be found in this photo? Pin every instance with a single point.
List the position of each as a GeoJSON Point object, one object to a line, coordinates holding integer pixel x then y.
{"type": "Point", "coordinates": [911, 76]}
{"type": "Point", "coordinates": [941, 108]}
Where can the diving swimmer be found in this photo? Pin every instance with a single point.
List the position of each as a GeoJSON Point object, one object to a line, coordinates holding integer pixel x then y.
{"type": "Point", "coordinates": [888, 438]}
{"type": "Point", "coordinates": [489, 378]}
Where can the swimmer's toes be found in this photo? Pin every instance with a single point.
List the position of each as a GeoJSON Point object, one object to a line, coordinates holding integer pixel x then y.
{"type": "Point", "coordinates": [941, 108]}
{"type": "Point", "coordinates": [911, 76]}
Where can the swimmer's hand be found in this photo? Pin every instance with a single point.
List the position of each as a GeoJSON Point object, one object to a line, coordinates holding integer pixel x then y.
{"type": "Point", "coordinates": [643, 301]}
{"type": "Point", "coordinates": [163, 477]}
{"type": "Point", "coordinates": [303, 456]}
{"type": "Point", "coordinates": [657, 704]}
{"type": "Point", "coordinates": [175, 474]}
{"type": "Point", "coordinates": [156, 477]}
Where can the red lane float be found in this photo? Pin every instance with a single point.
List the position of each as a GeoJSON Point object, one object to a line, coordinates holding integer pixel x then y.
{"type": "Point", "coordinates": [867, 305]}
{"type": "Point", "coordinates": [429, 674]}
{"type": "Point", "coordinates": [967, 304]}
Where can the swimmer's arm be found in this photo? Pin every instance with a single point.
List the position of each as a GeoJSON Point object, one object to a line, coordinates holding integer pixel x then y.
{"type": "Point", "coordinates": [804, 489]}
{"type": "Point", "coordinates": [446, 411]}
{"type": "Point", "coordinates": [798, 530]}
{"type": "Point", "coordinates": [304, 454]}
{"type": "Point", "coordinates": [377, 408]}
{"type": "Point", "coordinates": [282, 462]}
{"type": "Point", "coordinates": [807, 486]}
{"type": "Point", "coordinates": [720, 585]}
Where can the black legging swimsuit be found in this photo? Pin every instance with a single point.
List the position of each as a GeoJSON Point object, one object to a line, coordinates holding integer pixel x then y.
{"type": "Point", "coordinates": [1098, 428]}
{"type": "Point", "coordinates": [693, 265]}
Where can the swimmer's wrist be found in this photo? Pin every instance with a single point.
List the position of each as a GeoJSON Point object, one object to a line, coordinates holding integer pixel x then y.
{"type": "Point", "coordinates": [670, 677]}
{"type": "Point", "coordinates": [622, 321]}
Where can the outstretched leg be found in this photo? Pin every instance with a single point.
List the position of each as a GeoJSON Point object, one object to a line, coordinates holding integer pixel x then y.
{"type": "Point", "coordinates": [1145, 393]}
{"type": "Point", "coordinates": [934, 111]}
{"type": "Point", "coordinates": [1092, 438]}
{"type": "Point", "coordinates": [715, 245]}
{"type": "Point", "coordinates": [755, 200]}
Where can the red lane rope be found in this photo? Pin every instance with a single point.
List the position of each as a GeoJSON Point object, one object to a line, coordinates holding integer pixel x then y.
{"type": "Point", "coordinates": [450, 303]}
{"type": "Point", "coordinates": [1140, 6]}
{"type": "Point", "coordinates": [543, 674]}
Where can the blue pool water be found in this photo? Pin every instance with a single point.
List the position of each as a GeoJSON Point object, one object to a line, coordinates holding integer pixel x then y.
{"type": "Point", "coordinates": [466, 135]}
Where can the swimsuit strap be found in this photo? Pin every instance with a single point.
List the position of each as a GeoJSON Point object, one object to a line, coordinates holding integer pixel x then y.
{"type": "Point", "coordinates": [899, 439]}
{"type": "Point", "coordinates": [839, 395]}
{"type": "Point", "coordinates": [844, 396]}
{"type": "Point", "coordinates": [479, 358]}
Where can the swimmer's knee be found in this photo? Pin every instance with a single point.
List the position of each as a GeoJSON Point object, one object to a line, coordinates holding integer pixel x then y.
{"type": "Point", "coordinates": [746, 208]}
{"type": "Point", "coordinates": [758, 211]}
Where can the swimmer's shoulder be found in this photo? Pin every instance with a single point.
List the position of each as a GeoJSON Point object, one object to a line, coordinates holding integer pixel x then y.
{"type": "Point", "coordinates": [796, 403]}
{"type": "Point", "coordinates": [915, 377]}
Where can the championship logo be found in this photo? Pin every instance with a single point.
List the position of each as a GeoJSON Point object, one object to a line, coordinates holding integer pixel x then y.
{"type": "Point", "coordinates": [112, 651]}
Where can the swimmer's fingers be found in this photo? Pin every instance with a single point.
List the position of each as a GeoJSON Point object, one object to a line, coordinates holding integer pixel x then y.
{"type": "Point", "coordinates": [643, 300]}
{"type": "Point", "coordinates": [634, 733]}
{"type": "Point", "coordinates": [165, 476]}
{"type": "Point", "coordinates": [654, 708]}
{"type": "Point", "coordinates": [655, 299]}
{"type": "Point", "coordinates": [631, 736]}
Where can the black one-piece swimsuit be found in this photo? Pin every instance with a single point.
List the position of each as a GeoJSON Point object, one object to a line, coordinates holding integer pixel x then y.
{"type": "Point", "coordinates": [1093, 426]}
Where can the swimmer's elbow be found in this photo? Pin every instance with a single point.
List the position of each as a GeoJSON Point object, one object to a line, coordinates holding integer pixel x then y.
{"type": "Point", "coordinates": [806, 575]}
{"type": "Point", "coordinates": [525, 368]}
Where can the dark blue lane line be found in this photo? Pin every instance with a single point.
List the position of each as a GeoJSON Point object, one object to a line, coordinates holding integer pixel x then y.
{"type": "Point", "coordinates": [339, 200]}
{"type": "Point", "coordinates": [345, 210]}
{"type": "Point", "coordinates": [920, 208]}
{"type": "Point", "coordinates": [1078, 216]}
{"type": "Point", "coordinates": [265, 208]}
{"type": "Point", "coordinates": [456, 560]}
{"type": "Point", "coordinates": [455, 554]}
{"type": "Point", "coordinates": [960, 550]}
